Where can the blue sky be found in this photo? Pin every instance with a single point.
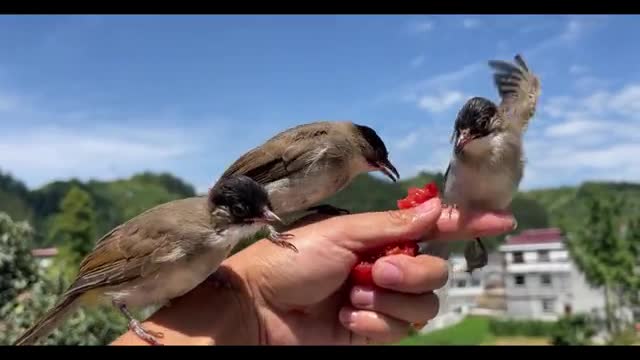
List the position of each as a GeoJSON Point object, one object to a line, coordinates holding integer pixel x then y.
{"type": "Point", "coordinates": [103, 97]}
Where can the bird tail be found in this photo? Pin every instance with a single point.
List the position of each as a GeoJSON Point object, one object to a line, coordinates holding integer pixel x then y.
{"type": "Point", "coordinates": [49, 321]}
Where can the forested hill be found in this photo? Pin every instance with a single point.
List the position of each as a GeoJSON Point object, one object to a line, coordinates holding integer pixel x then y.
{"type": "Point", "coordinates": [112, 202]}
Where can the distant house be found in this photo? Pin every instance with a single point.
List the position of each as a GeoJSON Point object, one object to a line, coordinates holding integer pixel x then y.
{"type": "Point", "coordinates": [44, 256]}
{"type": "Point", "coordinates": [541, 281]}
{"type": "Point", "coordinates": [466, 291]}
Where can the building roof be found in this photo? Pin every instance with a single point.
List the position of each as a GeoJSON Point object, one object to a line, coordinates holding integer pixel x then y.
{"type": "Point", "coordinates": [44, 252]}
{"type": "Point", "coordinates": [536, 236]}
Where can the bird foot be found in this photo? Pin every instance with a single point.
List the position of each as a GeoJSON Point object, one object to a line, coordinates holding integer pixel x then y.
{"type": "Point", "coordinates": [475, 255]}
{"type": "Point", "coordinates": [220, 280]}
{"type": "Point", "coordinates": [329, 210]}
{"type": "Point", "coordinates": [280, 239]}
{"type": "Point", "coordinates": [134, 325]}
{"type": "Point", "coordinates": [450, 208]}
{"type": "Point", "coordinates": [147, 335]}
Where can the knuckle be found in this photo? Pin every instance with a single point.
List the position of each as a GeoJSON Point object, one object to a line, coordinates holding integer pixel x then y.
{"type": "Point", "coordinates": [397, 217]}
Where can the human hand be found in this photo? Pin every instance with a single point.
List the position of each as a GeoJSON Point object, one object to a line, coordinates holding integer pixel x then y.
{"type": "Point", "coordinates": [305, 298]}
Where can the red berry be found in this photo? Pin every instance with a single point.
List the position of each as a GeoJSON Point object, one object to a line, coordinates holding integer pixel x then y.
{"type": "Point", "coordinates": [361, 274]}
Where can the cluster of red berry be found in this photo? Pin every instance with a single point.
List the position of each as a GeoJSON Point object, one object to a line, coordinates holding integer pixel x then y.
{"type": "Point", "coordinates": [361, 273]}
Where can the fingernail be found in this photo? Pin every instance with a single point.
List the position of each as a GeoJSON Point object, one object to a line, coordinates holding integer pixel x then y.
{"type": "Point", "coordinates": [515, 224]}
{"type": "Point", "coordinates": [346, 316]}
{"type": "Point", "coordinates": [362, 297]}
{"type": "Point", "coordinates": [388, 274]}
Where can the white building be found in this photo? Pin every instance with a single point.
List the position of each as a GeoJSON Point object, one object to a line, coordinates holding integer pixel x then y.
{"type": "Point", "coordinates": [464, 293]}
{"type": "Point", "coordinates": [44, 256]}
{"type": "Point", "coordinates": [541, 281]}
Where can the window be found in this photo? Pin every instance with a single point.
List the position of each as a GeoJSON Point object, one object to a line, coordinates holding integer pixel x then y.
{"type": "Point", "coordinates": [543, 256]}
{"type": "Point", "coordinates": [545, 279]}
{"type": "Point", "coordinates": [518, 257]}
{"type": "Point", "coordinates": [475, 281]}
{"type": "Point", "coordinates": [461, 283]}
{"type": "Point", "coordinates": [547, 305]}
{"type": "Point", "coordinates": [519, 280]}
{"type": "Point", "coordinates": [567, 309]}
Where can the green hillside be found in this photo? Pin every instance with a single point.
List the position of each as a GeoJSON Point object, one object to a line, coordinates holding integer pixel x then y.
{"type": "Point", "coordinates": [118, 200]}
{"type": "Point", "coordinates": [73, 214]}
{"type": "Point", "coordinates": [113, 201]}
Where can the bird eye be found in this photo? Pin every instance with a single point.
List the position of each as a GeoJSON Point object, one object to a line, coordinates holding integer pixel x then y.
{"type": "Point", "coordinates": [238, 211]}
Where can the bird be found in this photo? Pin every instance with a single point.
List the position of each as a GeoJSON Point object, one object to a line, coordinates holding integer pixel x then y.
{"type": "Point", "coordinates": [302, 166]}
{"type": "Point", "coordinates": [487, 162]}
{"type": "Point", "coordinates": [162, 254]}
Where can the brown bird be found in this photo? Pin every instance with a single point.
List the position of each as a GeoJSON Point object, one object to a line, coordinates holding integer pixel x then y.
{"type": "Point", "coordinates": [304, 165]}
{"type": "Point", "coordinates": [487, 161]}
{"type": "Point", "coordinates": [162, 253]}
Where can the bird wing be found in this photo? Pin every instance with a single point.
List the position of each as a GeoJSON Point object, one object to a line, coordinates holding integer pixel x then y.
{"type": "Point", "coordinates": [138, 248]}
{"type": "Point", "coordinates": [518, 88]}
{"type": "Point", "coordinates": [273, 161]}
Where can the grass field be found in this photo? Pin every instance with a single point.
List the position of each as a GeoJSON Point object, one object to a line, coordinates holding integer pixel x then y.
{"type": "Point", "coordinates": [474, 330]}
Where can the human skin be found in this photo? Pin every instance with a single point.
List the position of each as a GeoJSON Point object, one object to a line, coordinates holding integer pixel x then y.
{"type": "Point", "coordinates": [280, 297]}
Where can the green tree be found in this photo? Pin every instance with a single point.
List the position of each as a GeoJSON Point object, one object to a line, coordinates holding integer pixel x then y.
{"type": "Point", "coordinates": [605, 248]}
{"type": "Point", "coordinates": [74, 226]}
{"type": "Point", "coordinates": [573, 330]}
{"type": "Point", "coordinates": [27, 291]}
{"type": "Point", "coordinates": [17, 269]}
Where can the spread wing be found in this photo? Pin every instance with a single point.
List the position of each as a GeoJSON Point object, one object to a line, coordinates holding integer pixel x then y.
{"type": "Point", "coordinates": [274, 160]}
{"type": "Point", "coordinates": [519, 90]}
{"type": "Point", "coordinates": [137, 249]}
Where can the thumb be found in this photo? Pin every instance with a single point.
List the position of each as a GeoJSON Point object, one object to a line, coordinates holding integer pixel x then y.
{"type": "Point", "coordinates": [358, 232]}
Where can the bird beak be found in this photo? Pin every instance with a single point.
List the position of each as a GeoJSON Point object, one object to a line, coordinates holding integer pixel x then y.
{"type": "Point", "coordinates": [462, 140]}
{"type": "Point", "coordinates": [269, 216]}
{"type": "Point", "coordinates": [388, 169]}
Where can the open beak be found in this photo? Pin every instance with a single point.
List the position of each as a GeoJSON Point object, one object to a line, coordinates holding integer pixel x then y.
{"type": "Point", "coordinates": [267, 217]}
{"type": "Point", "coordinates": [462, 140]}
{"type": "Point", "coordinates": [388, 169]}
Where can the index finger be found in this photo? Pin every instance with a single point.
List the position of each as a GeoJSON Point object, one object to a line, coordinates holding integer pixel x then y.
{"type": "Point", "coordinates": [453, 226]}
{"type": "Point", "coordinates": [369, 230]}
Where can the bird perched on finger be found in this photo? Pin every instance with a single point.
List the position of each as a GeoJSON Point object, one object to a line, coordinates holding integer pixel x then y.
{"type": "Point", "coordinates": [162, 254]}
{"type": "Point", "coordinates": [302, 166]}
{"type": "Point", "coordinates": [487, 162]}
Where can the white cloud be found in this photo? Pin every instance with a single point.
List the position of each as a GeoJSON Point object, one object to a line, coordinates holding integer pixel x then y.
{"type": "Point", "coordinates": [441, 102]}
{"type": "Point", "coordinates": [441, 82]}
{"type": "Point", "coordinates": [589, 83]}
{"type": "Point", "coordinates": [470, 23]}
{"type": "Point", "coordinates": [574, 128]}
{"type": "Point", "coordinates": [438, 160]}
{"type": "Point", "coordinates": [596, 137]}
{"type": "Point", "coordinates": [421, 26]}
{"type": "Point", "coordinates": [626, 101]}
{"type": "Point", "coordinates": [417, 61]}
{"type": "Point", "coordinates": [40, 154]}
{"type": "Point", "coordinates": [453, 77]}
{"type": "Point", "coordinates": [9, 102]}
{"type": "Point", "coordinates": [573, 30]}
{"type": "Point", "coordinates": [578, 69]}
{"type": "Point", "coordinates": [407, 141]}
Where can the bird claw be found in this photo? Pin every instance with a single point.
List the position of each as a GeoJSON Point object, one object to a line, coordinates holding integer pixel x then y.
{"type": "Point", "coordinates": [147, 335]}
{"type": "Point", "coordinates": [329, 210]}
{"type": "Point", "coordinates": [450, 208]}
{"type": "Point", "coordinates": [220, 280]}
{"type": "Point", "coordinates": [280, 239]}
